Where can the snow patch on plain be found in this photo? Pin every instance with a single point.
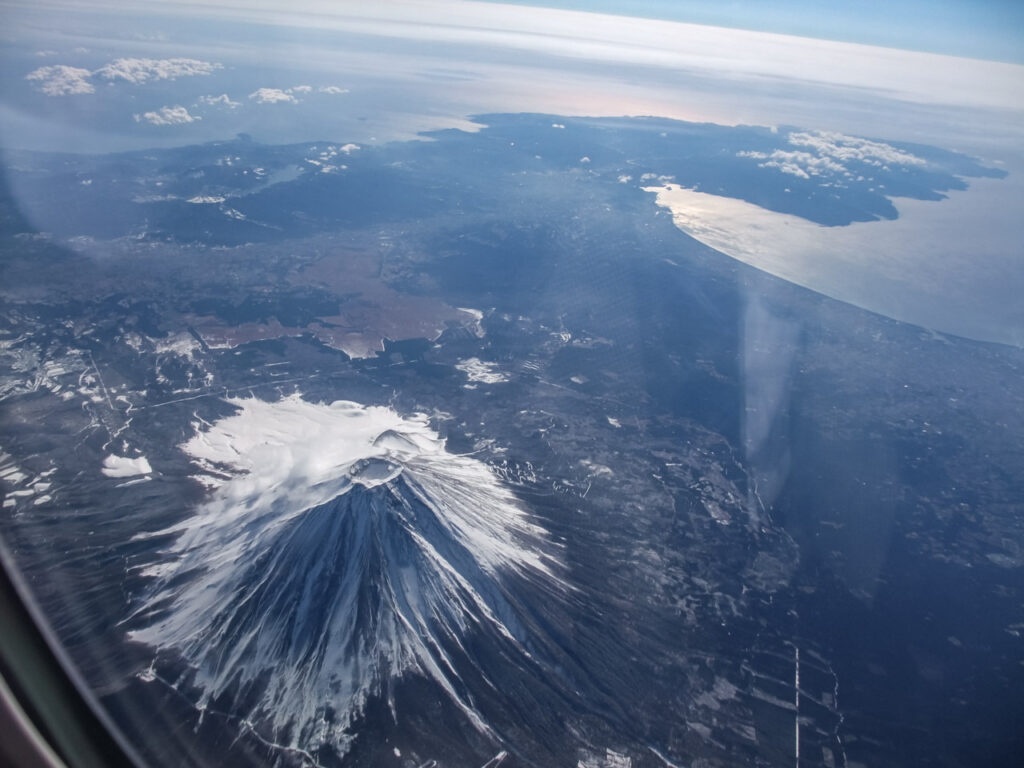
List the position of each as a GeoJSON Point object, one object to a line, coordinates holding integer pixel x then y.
{"type": "Point", "coordinates": [120, 466]}
{"type": "Point", "coordinates": [477, 324]}
{"type": "Point", "coordinates": [482, 372]}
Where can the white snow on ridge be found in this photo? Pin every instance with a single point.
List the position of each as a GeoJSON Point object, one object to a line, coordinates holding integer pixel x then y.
{"type": "Point", "coordinates": [346, 505]}
{"type": "Point", "coordinates": [309, 453]}
{"type": "Point", "coordinates": [120, 466]}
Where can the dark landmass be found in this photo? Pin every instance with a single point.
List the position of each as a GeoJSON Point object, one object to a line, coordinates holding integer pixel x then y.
{"type": "Point", "coordinates": [735, 468]}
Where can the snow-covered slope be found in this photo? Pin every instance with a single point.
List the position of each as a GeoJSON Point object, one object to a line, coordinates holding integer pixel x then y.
{"type": "Point", "coordinates": [341, 547]}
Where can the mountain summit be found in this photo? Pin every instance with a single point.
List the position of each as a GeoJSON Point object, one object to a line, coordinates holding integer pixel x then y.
{"type": "Point", "coordinates": [341, 548]}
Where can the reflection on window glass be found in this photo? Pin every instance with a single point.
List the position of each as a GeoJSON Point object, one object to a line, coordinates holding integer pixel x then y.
{"type": "Point", "coordinates": [479, 384]}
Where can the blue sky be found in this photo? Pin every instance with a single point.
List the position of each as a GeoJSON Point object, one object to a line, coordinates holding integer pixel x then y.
{"type": "Point", "coordinates": [983, 29]}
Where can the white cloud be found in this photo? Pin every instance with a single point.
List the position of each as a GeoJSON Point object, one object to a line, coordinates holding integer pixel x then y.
{"type": "Point", "coordinates": [139, 71]}
{"type": "Point", "coordinates": [851, 148]}
{"type": "Point", "coordinates": [830, 152]}
{"type": "Point", "coordinates": [332, 89]}
{"type": "Point", "coordinates": [673, 46]}
{"type": "Point", "coordinates": [176, 115]}
{"type": "Point", "coordinates": [286, 95]}
{"type": "Point", "coordinates": [222, 100]}
{"type": "Point", "coordinates": [348, 149]}
{"type": "Point", "coordinates": [557, 125]}
{"type": "Point", "coordinates": [61, 80]}
{"type": "Point", "coordinates": [585, 160]}
{"type": "Point", "coordinates": [796, 163]}
{"type": "Point", "coordinates": [272, 96]}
